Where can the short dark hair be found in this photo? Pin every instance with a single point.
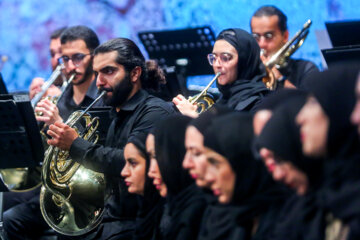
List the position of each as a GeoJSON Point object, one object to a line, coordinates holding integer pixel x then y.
{"type": "Point", "coordinates": [270, 10]}
{"type": "Point", "coordinates": [83, 33]}
{"type": "Point", "coordinates": [130, 56]}
{"type": "Point", "coordinates": [57, 33]}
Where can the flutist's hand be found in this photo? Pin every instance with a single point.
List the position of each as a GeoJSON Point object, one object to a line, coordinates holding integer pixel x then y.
{"type": "Point", "coordinates": [62, 135]}
{"type": "Point", "coordinates": [49, 112]}
{"type": "Point", "coordinates": [184, 106]}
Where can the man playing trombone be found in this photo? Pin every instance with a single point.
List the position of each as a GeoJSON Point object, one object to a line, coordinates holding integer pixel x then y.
{"type": "Point", "coordinates": [269, 28]}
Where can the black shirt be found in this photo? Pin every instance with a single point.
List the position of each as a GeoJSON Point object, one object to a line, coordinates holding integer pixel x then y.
{"type": "Point", "coordinates": [66, 104]}
{"type": "Point", "coordinates": [138, 114]}
{"type": "Point", "coordinates": [297, 70]}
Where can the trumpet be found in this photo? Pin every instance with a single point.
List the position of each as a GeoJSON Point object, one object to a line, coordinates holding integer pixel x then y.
{"type": "Point", "coordinates": [280, 58]}
{"type": "Point", "coordinates": [55, 74]}
{"type": "Point", "coordinates": [72, 198]}
{"type": "Point", "coordinates": [203, 100]}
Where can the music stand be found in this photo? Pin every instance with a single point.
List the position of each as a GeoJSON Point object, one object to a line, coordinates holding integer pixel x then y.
{"type": "Point", "coordinates": [184, 49]}
{"type": "Point", "coordinates": [344, 33]}
{"type": "Point", "coordinates": [20, 141]}
{"type": "Point", "coordinates": [341, 54]}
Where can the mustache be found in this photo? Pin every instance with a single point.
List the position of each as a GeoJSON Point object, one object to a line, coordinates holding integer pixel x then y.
{"type": "Point", "coordinates": [109, 89]}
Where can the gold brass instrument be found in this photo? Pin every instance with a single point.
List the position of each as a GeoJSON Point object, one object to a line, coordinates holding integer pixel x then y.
{"type": "Point", "coordinates": [203, 100]}
{"type": "Point", "coordinates": [280, 58]}
{"type": "Point", "coordinates": [72, 198]}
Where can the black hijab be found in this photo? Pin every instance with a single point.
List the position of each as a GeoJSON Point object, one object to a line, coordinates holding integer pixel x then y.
{"type": "Point", "coordinates": [276, 98]}
{"type": "Point", "coordinates": [255, 193]}
{"type": "Point", "coordinates": [342, 168]}
{"type": "Point", "coordinates": [248, 88]}
{"type": "Point", "coordinates": [202, 122]}
{"type": "Point", "coordinates": [281, 135]}
{"type": "Point", "coordinates": [334, 89]}
{"type": "Point", "coordinates": [301, 218]}
{"type": "Point", "coordinates": [151, 204]}
{"type": "Point", "coordinates": [185, 201]}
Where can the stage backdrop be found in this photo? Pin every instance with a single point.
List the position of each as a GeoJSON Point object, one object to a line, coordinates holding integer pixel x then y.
{"type": "Point", "coordinates": [25, 26]}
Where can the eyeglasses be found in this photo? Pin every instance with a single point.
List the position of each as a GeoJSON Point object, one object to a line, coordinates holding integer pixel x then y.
{"type": "Point", "coordinates": [222, 58]}
{"type": "Point", "coordinates": [76, 58]}
{"type": "Point", "coordinates": [268, 36]}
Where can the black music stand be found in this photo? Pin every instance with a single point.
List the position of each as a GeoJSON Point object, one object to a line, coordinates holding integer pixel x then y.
{"type": "Point", "coordinates": [184, 49]}
{"type": "Point", "coordinates": [343, 54]}
{"type": "Point", "coordinates": [20, 141]}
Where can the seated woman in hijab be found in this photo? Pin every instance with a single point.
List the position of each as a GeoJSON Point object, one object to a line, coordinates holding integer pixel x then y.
{"type": "Point", "coordinates": [279, 142]}
{"type": "Point", "coordinates": [136, 179]}
{"type": "Point", "coordinates": [236, 55]}
{"type": "Point", "coordinates": [216, 216]}
{"type": "Point", "coordinates": [240, 181]}
{"type": "Point", "coordinates": [185, 201]}
{"type": "Point", "coordinates": [326, 131]}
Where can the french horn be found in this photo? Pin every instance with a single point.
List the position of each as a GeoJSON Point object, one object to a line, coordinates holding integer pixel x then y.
{"type": "Point", "coordinates": [72, 197]}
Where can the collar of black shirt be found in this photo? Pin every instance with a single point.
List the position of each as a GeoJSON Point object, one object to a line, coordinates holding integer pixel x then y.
{"type": "Point", "coordinates": [134, 101]}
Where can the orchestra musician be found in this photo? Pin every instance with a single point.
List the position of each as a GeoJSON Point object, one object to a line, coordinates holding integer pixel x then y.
{"type": "Point", "coordinates": [269, 27]}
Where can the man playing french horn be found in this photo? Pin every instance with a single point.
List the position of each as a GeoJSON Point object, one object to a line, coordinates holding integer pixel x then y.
{"type": "Point", "coordinates": [123, 73]}
{"type": "Point", "coordinates": [25, 221]}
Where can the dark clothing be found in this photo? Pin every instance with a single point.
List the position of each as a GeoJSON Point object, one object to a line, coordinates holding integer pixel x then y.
{"type": "Point", "coordinates": [138, 114]}
{"type": "Point", "coordinates": [256, 197]}
{"type": "Point", "coordinates": [66, 104]}
{"type": "Point", "coordinates": [297, 70]}
{"type": "Point", "coordinates": [301, 218]}
{"type": "Point", "coordinates": [185, 201]}
{"type": "Point", "coordinates": [25, 221]}
{"type": "Point", "coordinates": [248, 88]}
{"type": "Point", "coordinates": [186, 211]}
{"type": "Point", "coordinates": [219, 222]}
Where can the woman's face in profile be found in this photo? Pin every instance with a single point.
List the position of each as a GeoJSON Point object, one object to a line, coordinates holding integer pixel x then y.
{"type": "Point", "coordinates": [154, 171]}
{"type": "Point", "coordinates": [134, 169]}
{"type": "Point", "coordinates": [225, 61]}
{"type": "Point", "coordinates": [314, 125]}
{"type": "Point", "coordinates": [220, 176]}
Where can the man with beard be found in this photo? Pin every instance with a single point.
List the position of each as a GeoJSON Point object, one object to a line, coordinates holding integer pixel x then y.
{"type": "Point", "coordinates": [25, 221]}
{"type": "Point", "coordinates": [77, 46]}
{"type": "Point", "coordinates": [123, 73]}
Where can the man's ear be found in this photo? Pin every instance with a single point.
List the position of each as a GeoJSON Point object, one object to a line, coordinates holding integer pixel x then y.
{"type": "Point", "coordinates": [135, 74]}
{"type": "Point", "coordinates": [286, 36]}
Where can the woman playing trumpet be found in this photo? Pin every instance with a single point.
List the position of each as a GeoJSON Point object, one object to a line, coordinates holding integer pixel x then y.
{"type": "Point", "coordinates": [236, 55]}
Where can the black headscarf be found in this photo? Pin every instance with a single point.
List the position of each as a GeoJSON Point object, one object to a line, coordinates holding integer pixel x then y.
{"type": "Point", "coordinates": [276, 98]}
{"type": "Point", "coordinates": [248, 88]}
{"type": "Point", "coordinates": [334, 89]}
{"type": "Point", "coordinates": [282, 136]}
{"type": "Point", "coordinates": [185, 201]}
{"type": "Point", "coordinates": [151, 204]}
{"type": "Point", "coordinates": [301, 218]}
{"type": "Point", "coordinates": [255, 193]}
{"type": "Point", "coordinates": [202, 122]}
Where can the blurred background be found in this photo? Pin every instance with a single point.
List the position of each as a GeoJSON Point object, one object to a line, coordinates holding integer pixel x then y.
{"type": "Point", "coordinates": [25, 26]}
